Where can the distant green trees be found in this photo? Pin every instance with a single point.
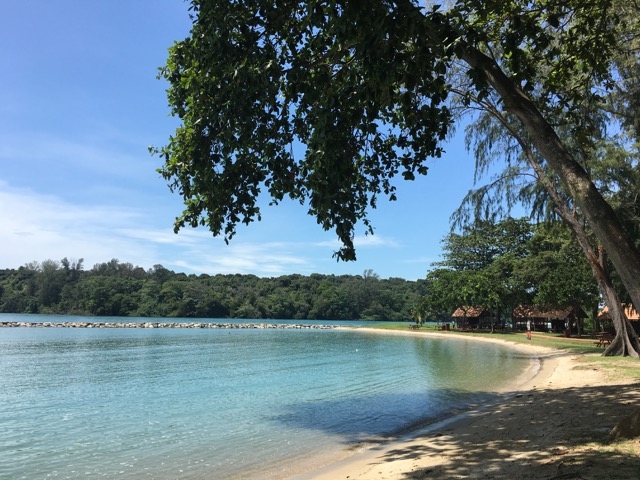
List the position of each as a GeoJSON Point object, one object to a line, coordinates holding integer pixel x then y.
{"type": "Point", "coordinates": [115, 288]}
{"type": "Point", "coordinates": [496, 265]}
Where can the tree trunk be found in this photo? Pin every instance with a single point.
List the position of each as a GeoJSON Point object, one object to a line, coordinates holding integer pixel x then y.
{"type": "Point", "coordinates": [596, 322]}
{"type": "Point", "coordinates": [628, 427]}
{"type": "Point", "coordinates": [493, 321]}
{"type": "Point", "coordinates": [626, 341]}
{"type": "Point", "coordinates": [599, 214]}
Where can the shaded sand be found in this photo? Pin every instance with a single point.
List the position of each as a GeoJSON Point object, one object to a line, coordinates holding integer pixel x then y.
{"type": "Point", "coordinates": [551, 425]}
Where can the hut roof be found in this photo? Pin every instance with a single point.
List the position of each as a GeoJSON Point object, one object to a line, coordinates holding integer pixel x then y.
{"type": "Point", "coordinates": [530, 311]}
{"type": "Point", "coordinates": [630, 312]}
{"type": "Point", "coordinates": [470, 312]}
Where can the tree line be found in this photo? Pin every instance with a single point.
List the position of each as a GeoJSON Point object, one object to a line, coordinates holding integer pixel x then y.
{"type": "Point", "coordinates": [498, 265]}
{"type": "Point", "coordinates": [118, 288]}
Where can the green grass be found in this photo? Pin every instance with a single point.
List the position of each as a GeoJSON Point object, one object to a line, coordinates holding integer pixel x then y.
{"type": "Point", "coordinates": [618, 367]}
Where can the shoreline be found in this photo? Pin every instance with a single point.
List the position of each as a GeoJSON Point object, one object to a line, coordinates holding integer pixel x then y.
{"type": "Point", "coordinates": [308, 466]}
{"type": "Point", "coordinates": [500, 439]}
{"type": "Point", "coordinates": [535, 353]}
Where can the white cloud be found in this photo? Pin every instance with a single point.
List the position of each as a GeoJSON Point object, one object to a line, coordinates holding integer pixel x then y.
{"type": "Point", "coordinates": [274, 258]}
{"type": "Point", "coordinates": [37, 227]}
{"type": "Point", "coordinates": [374, 241]}
{"type": "Point", "coordinates": [186, 238]}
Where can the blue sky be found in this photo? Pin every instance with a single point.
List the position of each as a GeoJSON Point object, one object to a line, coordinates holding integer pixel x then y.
{"type": "Point", "coordinates": [79, 105]}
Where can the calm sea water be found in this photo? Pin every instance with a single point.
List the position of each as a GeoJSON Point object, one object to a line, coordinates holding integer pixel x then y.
{"type": "Point", "coordinates": [174, 403]}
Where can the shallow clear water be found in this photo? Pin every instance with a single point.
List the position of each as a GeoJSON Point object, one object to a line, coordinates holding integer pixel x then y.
{"type": "Point", "coordinates": [174, 403]}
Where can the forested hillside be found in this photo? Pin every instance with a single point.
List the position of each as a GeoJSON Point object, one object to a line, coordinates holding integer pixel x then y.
{"type": "Point", "coordinates": [121, 289]}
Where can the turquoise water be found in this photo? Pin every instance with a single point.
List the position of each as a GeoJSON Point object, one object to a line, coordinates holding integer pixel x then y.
{"type": "Point", "coordinates": [174, 403]}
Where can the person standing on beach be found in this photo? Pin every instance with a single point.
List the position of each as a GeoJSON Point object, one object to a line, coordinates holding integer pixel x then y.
{"type": "Point", "coordinates": [528, 329]}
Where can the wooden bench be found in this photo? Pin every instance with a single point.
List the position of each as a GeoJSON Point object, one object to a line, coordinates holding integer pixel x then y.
{"type": "Point", "coordinates": [414, 326]}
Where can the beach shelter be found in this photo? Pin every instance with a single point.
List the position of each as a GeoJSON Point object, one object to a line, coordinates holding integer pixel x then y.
{"type": "Point", "coordinates": [471, 317]}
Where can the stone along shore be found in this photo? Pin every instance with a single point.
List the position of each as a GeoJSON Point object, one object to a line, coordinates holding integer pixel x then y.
{"type": "Point", "coordinates": [158, 325]}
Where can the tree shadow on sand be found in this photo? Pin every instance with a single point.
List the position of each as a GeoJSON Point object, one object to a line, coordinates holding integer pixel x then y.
{"type": "Point", "coordinates": [549, 434]}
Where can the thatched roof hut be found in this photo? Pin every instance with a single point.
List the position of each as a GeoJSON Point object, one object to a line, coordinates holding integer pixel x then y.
{"type": "Point", "coordinates": [471, 316]}
{"type": "Point", "coordinates": [631, 313]}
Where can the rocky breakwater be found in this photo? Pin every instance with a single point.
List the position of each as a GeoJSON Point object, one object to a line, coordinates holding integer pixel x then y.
{"type": "Point", "coordinates": [161, 325]}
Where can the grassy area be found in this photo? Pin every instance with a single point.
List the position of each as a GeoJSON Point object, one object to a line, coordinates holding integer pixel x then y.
{"type": "Point", "coordinates": [578, 345]}
{"type": "Point", "coordinates": [617, 367]}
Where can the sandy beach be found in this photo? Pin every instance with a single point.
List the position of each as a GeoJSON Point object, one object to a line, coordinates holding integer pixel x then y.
{"type": "Point", "coordinates": [550, 423]}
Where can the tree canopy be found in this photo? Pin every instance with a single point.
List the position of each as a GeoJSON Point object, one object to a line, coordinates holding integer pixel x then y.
{"type": "Point", "coordinates": [327, 102]}
{"type": "Point", "coordinates": [513, 262]}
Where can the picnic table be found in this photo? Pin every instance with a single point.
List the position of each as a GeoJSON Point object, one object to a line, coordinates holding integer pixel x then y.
{"type": "Point", "coordinates": [414, 326]}
{"type": "Point", "coordinates": [603, 339]}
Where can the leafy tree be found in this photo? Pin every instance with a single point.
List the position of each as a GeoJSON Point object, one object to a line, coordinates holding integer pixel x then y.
{"type": "Point", "coordinates": [172, 298]}
{"type": "Point", "coordinates": [109, 295]}
{"type": "Point", "coordinates": [363, 86]}
{"type": "Point", "coordinates": [623, 101]}
{"type": "Point", "coordinates": [446, 291]}
{"type": "Point", "coordinates": [70, 296]}
{"type": "Point", "coordinates": [18, 291]}
{"type": "Point", "coordinates": [72, 268]}
{"type": "Point", "coordinates": [481, 244]}
{"type": "Point", "coordinates": [149, 296]}
{"type": "Point", "coordinates": [479, 267]}
{"type": "Point", "coordinates": [248, 311]}
{"type": "Point", "coordinates": [160, 274]}
{"type": "Point", "coordinates": [121, 289]}
{"type": "Point", "coordinates": [512, 262]}
{"type": "Point", "coordinates": [617, 174]}
{"type": "Point", "coordinates": [50, 283]}
{"type": "Point", "coordinates": [556, 271]}
{"type": "Point", "coordinates": [331, 302]}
